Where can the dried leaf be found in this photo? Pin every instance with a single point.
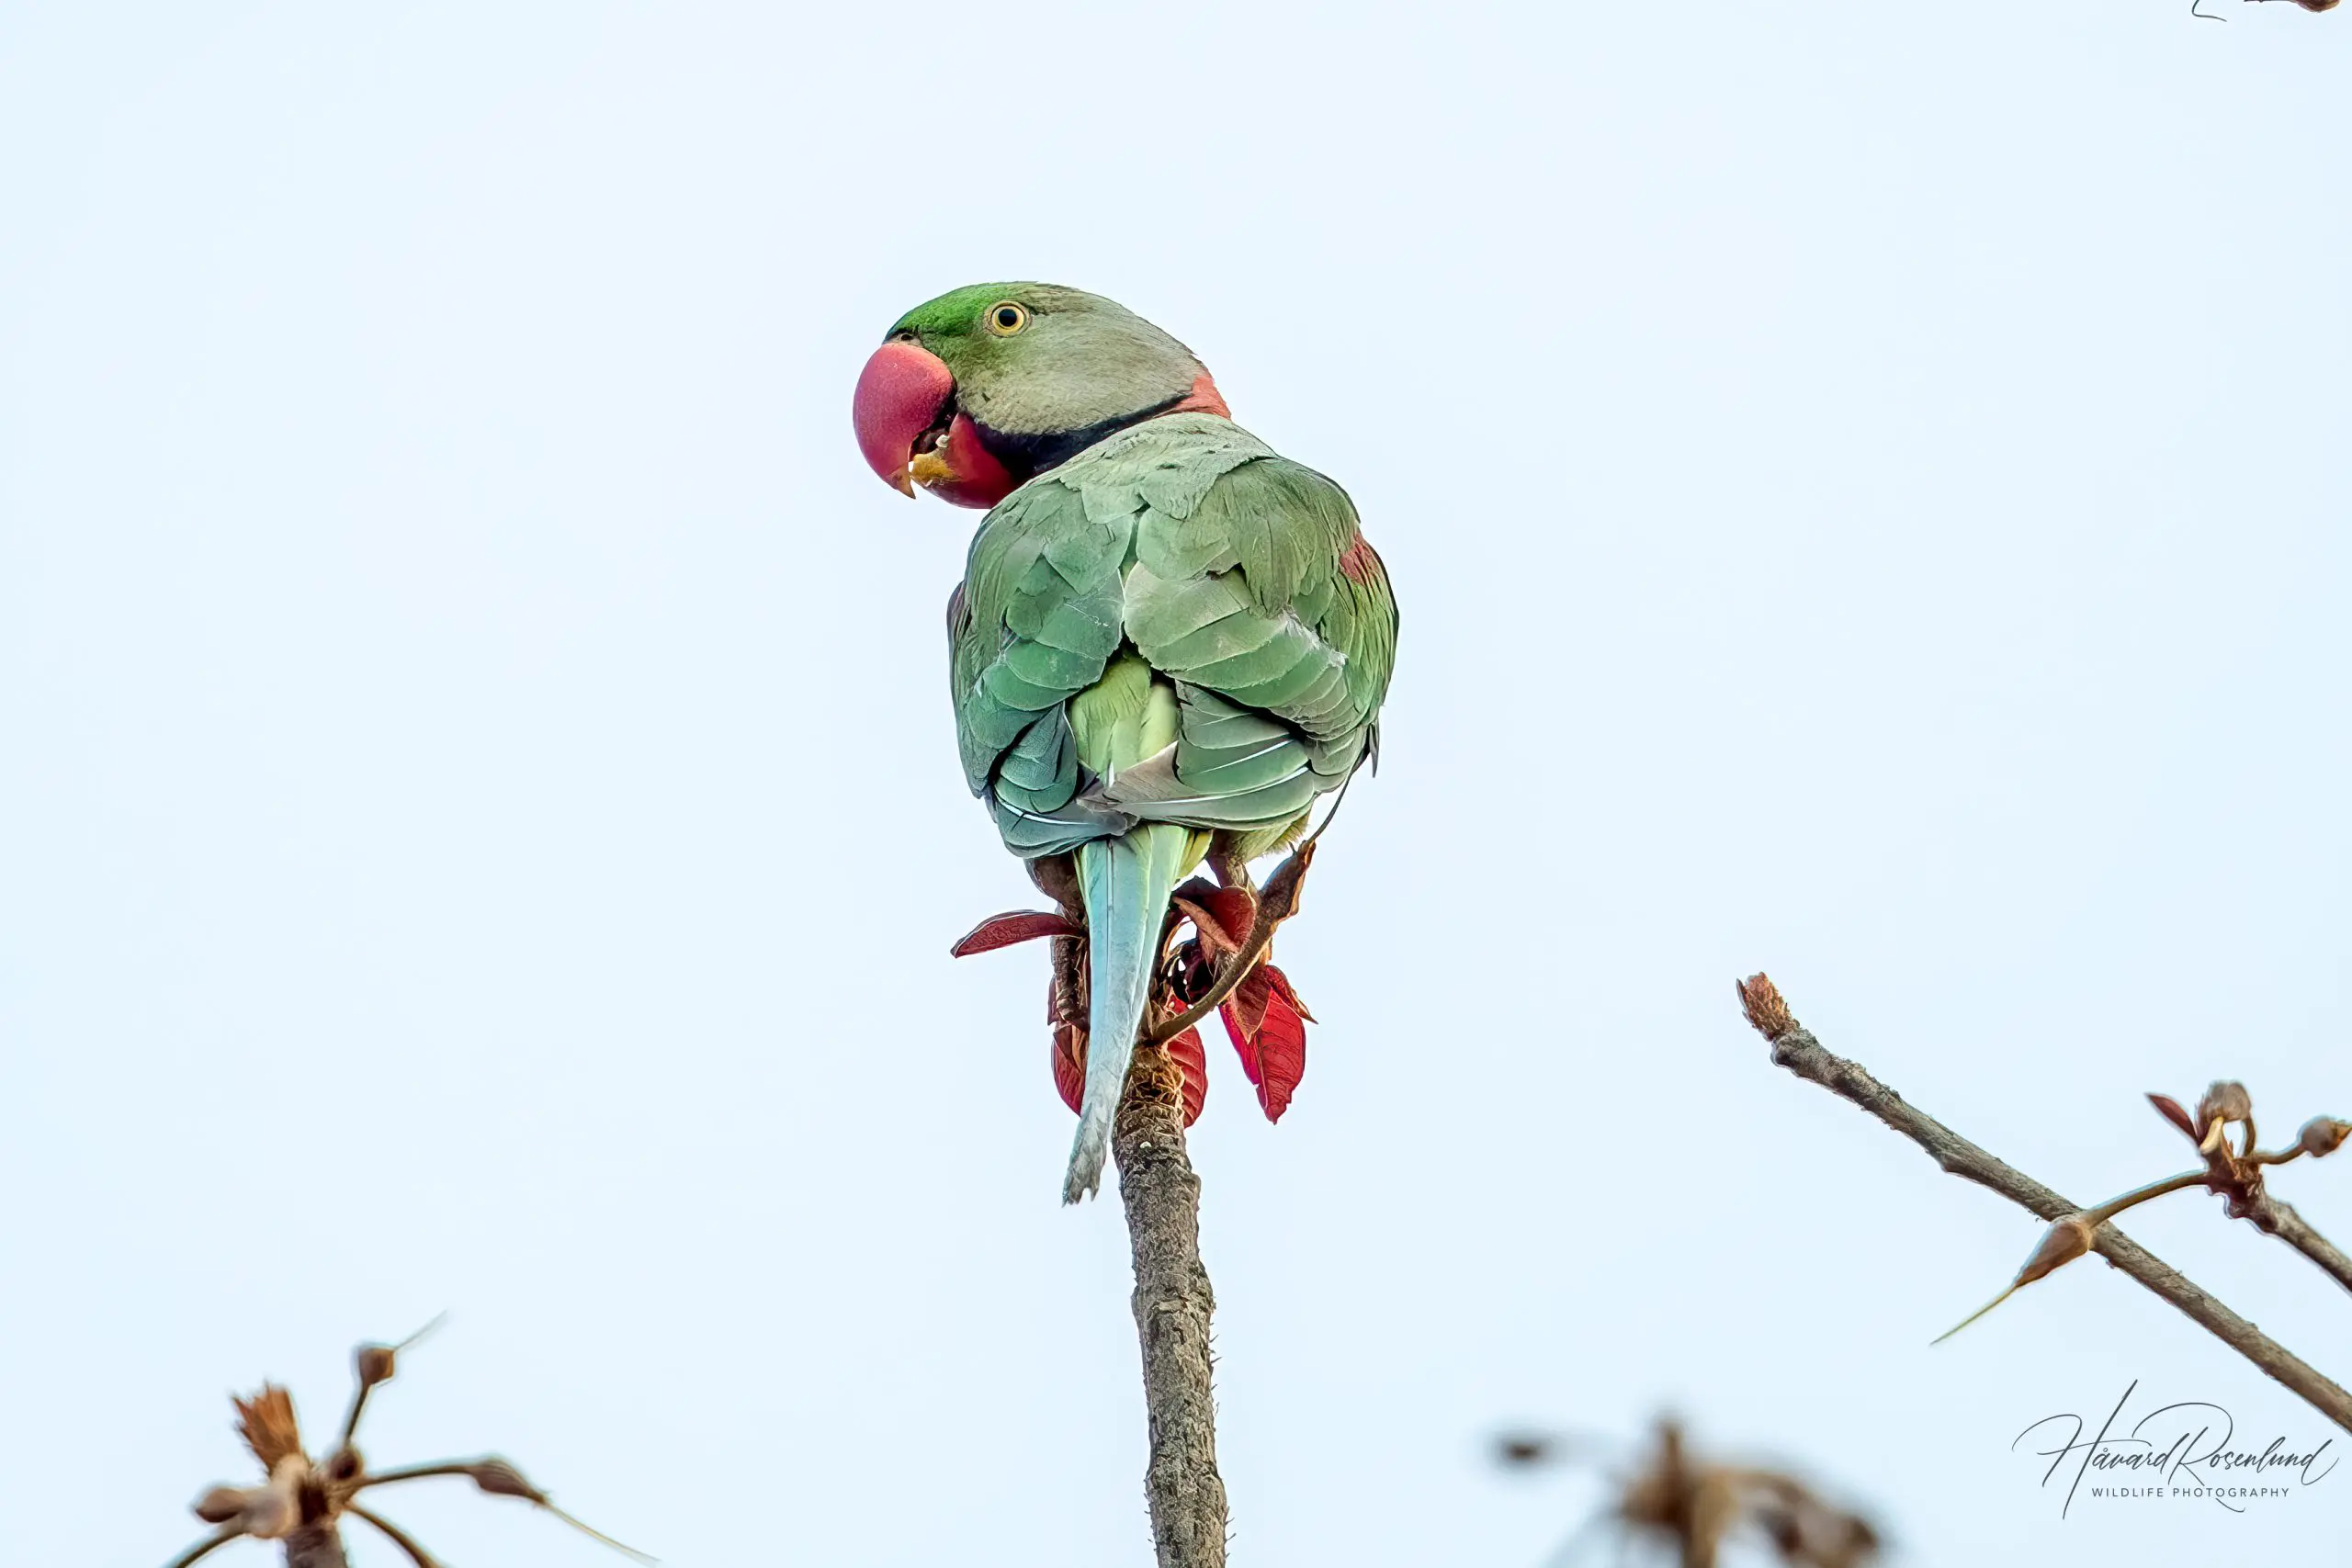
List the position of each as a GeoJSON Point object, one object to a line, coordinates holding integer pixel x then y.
{"type": "Point", "coordinates": [2170, 1109]}
{"type": "Point", "coordinates": [1012, 926]}
{"type": "Point", "coordinates": [266, 1423]}
{"type": "Point", "coordinates": [1279, 898]}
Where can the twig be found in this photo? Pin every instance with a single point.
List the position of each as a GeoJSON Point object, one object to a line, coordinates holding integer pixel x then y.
{"type": "Point", "coordinates": [1275, 903]}
{"type": "Point", "coordinates": [2239, 1175]}
{"type": "Point", "coordinates": [397, 1535]}
{"type": "Point", "coordinates": [1795, 1047]}
{"type": "Point", "coordinates": [2277, 1217]}
{"type": "Point", "coordinates": [303, 1502]}
{"type": "Point", "coordinates": [1172, 1308]}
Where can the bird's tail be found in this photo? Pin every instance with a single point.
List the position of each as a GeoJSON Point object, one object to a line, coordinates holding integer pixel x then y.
{"type": "Point", "coordinates": [1125, 881]}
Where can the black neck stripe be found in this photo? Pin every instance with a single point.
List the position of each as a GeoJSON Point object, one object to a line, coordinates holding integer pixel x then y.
{"type": "Point", "coordinates": [1025, 456]}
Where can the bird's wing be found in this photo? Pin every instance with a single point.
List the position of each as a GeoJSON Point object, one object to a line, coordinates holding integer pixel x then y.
{"type": "Point", "coordinates": [1265, 605]}
{"type": "Point", "coordinates": [1239, 577]}
{"type": "Point", "coordinates": [1034, 623]}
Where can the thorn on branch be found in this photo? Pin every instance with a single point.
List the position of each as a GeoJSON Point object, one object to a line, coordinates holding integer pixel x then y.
{"type": "Point", "coordinates": [2234, 1170]}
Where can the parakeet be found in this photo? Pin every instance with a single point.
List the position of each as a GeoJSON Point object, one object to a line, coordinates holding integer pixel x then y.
{"type": "Point", "coordinates": [1169, 641]}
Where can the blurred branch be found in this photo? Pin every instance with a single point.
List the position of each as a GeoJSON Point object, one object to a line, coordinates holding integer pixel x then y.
{"type": "Point", "coordinates": [1172, 1307]}
{"type": "Point", "coordinates": [303, 1502]}
{"type": "Point", "coordinates": [1795, 1047]}
{"type": "Point", "coordinates": [1693, 1506]}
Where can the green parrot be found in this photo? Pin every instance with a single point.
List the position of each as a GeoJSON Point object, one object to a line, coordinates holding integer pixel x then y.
{"type": "Point", "coordinates": [1169, 641]}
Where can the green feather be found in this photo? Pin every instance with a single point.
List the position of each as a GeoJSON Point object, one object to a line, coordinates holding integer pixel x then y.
{"type": "Point", "coordinates": [1176, 593]}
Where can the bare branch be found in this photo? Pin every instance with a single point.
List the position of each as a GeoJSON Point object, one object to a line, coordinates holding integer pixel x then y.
{"type": "Point", "coordinates": [302, 1503]}
{"type": "Point", "coordinates": [500, 1479]}
{"type": "Point", "coordinates": [416, 1472]}
{"type": "Point", "coordinates": [373, 1364]}
{"type": "Point", "coordinates": [1795, 1047]}
{"type": "Point", "coordinates": [397, 1535]}
{"type": "Point", "coordinates": [1172, 1308]}
{"type": "Point", "coordinates": [211, 1543]}
{"type": "Point", "coordinates": [2277, 1217]}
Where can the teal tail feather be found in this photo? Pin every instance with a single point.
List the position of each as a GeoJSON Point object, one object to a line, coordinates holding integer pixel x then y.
{"type": "Point", "coordinates": [1126, 881]}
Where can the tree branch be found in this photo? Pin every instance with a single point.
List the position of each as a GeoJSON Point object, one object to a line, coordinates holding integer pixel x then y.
{"type": "Point", "coordinates": [2277, 1217]}
{"type": "Point", "coordinates": [317, 1545]}
{"type": "Point", "coordinates": [1172, 1308]}
{"type": "Point", "coordinates": [1795, 1047]}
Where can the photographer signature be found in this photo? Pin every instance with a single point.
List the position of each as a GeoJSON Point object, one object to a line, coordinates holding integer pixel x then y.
{"type": "Point", "coordinates": [2186, 1450]}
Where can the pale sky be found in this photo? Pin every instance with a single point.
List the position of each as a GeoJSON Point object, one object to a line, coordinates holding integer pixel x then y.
{"type": "Point", "coordinates": [1866, 487]}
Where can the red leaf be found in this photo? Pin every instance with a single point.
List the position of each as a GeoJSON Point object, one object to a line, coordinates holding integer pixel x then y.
{"type": "Point", "coordinates": [1281, 982]}
{"type": "Point", "coordinates": [1069, 1048]}
{"type": "Point", "coordinates": [1069, 1064]}
{"type": "Point", "coordinates": [1236, 909]}
{"type": "Point", "coordinates": [1012, 926]}
{"type": "Point", "coordinates": [1245, 1044]}
{"type": "Point", "coordinates": [1222, 914]}
{"type": "Point", "coordinates": [1274, 1055]}
{"type": "Point", "coordinates": [1282, 1056]}
{"type": "Point", "coordinates": [1187, 1053]}
{"type": "Point", "coordinates": [2170, 1108]}
{"type": "Point", "coordinates": [1246, 1007]}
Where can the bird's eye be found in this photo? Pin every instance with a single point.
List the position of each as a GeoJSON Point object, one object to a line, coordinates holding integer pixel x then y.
{"type": "Point", "coordinates": [1006, 317]}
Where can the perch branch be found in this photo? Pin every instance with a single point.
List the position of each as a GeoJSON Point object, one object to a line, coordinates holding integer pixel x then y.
{"type": "Point", "coordinates": [1172, 1308]}
{"type": "Point", "coordinates": [1795, 1047]}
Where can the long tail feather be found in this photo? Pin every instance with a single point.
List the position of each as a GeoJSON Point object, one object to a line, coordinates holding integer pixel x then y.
{"type": "Point", "coordinates": [1125, 881]}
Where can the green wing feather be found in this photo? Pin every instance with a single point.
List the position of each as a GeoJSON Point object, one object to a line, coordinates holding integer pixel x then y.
{"type": "Point", "coordinates": [1242, 587]}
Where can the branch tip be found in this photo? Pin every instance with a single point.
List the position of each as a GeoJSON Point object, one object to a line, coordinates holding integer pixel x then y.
{"type": "Point", "coordinates": [1767, 1013]}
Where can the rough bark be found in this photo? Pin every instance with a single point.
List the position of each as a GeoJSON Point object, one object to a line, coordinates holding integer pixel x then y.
{"type": "Point", "coordinates": [1795, 1047]}
{"type": "Point", "coordinates": [1172, 1308]}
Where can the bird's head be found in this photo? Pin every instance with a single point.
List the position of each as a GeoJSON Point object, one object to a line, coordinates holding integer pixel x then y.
{"type": "Point", "coordinates": [975, 392]}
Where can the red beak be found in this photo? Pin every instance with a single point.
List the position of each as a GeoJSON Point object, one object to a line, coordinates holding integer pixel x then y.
{"type": "Point", "coordinates": [901, 394]}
